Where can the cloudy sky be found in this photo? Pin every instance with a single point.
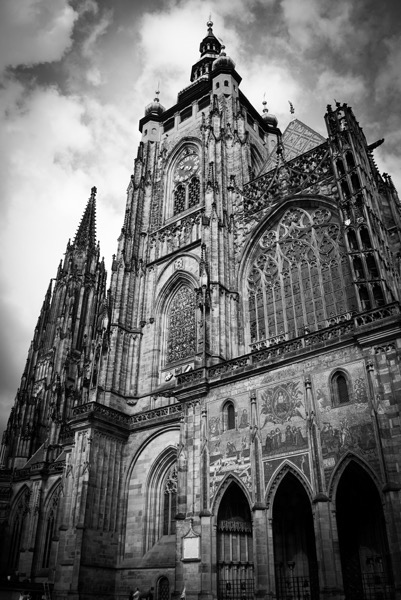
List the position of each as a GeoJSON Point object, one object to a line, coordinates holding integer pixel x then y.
{"type": "Point", "coordinates": [76, 75]}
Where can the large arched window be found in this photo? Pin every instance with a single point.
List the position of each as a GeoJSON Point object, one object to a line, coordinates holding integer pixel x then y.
{"type": "Point", "coordinates": [186, 182]}
{"type": "Point", "coordinates": [299, 276]}
{"type": "Point", "coordinates": [181, 326]}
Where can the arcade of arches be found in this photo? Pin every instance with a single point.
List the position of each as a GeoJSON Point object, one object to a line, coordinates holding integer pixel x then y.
{"type": "Point", "coordinates": [363, 548]}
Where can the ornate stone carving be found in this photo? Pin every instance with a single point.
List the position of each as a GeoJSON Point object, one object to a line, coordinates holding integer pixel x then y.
{"type": "Point", "coordinates": [181, 342]}
{"type": "Point", "coordinates": [298, 279]}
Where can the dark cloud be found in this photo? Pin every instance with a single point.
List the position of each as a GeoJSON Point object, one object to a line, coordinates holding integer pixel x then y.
{"type": "Point", "coordinates": [77, 76]}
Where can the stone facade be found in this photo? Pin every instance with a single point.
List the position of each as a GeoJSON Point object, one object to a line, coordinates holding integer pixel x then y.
{"type": "Point", "coordinates": [224, 422]}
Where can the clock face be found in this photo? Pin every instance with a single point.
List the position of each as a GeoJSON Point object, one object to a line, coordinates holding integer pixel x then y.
{"type": "Point", "coordinates": [186, 167]}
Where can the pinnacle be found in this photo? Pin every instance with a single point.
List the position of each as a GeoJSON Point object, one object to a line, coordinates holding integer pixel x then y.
{"type": "Point", "coordinates": [86, 234]}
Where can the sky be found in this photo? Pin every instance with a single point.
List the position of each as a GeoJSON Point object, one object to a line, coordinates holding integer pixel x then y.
{"type": "Point", "coordinates": [75, 77]}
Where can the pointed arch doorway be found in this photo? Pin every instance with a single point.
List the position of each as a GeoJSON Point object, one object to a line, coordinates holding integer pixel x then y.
{"type": "Point", "coordinates": [235, 571]}
{"type": "Point", "coordinates": [362, 537]}
{"type": "Point", "coordinates": [294, 542]}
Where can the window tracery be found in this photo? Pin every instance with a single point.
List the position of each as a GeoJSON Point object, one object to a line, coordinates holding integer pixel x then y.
{"type": "Point", "coordinates": [170, 501]}
{"type": "Point", "coordinates": [186, 191]}
{"type": "Point", "coordinates": [299, 277]}
{"type": "Point", "coordinates": [181, 340]}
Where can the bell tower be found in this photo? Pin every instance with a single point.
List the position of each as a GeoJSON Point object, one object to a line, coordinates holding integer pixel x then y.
{"type": "Point", "coordinates": [174, 297]}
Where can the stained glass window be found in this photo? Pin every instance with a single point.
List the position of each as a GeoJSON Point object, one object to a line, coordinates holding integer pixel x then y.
{"type": "Point", "coordinates": [181, 342]}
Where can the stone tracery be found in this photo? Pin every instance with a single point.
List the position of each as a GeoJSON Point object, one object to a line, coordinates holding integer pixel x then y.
{"type": "Point", "coordinates": [299, 277]}
{"type": "Point", "coordinates": [181, 341]}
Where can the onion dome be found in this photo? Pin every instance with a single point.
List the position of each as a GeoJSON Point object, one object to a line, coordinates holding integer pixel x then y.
{"type": "Point", "coordinates": [155, 107]}
{"type": "Point", "coordinates": [223, 61]}
{"type": "Point", "coordinates": [269, 119]}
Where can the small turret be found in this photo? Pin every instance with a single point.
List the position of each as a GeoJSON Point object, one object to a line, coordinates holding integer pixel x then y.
{"type": "Point", "coordinates": [223, 61]}
{"type": "Point", "coordinates": [150, 124]}
{"type": "Point", "coordinates": [209, 48]}
{"type": "Point", "coordinates": [269, 119]}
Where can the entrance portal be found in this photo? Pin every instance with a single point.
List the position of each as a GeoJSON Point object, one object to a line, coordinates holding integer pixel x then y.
{"type": "Point", "coordinates": [362, 537]}
{"type": "Point", "coordinates": [294, 542]}
{"type": "Point", "coordinates": [234, 546]}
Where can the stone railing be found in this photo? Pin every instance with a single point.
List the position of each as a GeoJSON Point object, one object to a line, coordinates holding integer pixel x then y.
{"type": "Point", "coordinates": [228, 367]}
{"type": "Point", "coordinates": [377, 314]}
{"type": "Point", "coordinates": [292, 177]}
{"type": "Point", "coordinates": [156, 414]}
{"type": "Point", "coordinates": [96, 409]}
{"type": "Point", "coordinates": [191, 377]}
{"type": "Point", "coordinates": [270, 349]}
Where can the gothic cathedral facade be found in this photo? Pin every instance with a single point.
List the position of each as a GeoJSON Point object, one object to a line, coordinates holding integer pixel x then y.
{"type": "Point", "coordinates": [223, 422]}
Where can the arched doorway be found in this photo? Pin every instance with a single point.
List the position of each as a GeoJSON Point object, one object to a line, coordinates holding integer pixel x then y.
{"type": "Point", "coordinates": [294, 542]}
{"type": "Point", "coordinates": [234, 546]}
{"type": "Point", "coordinates": [362, 537]}
{"type": "Point", "coordinates": [163, 589]}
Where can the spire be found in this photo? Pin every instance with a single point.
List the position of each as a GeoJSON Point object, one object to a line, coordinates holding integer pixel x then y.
{"type": "Point", "coordinates": [86, 234]}
{"type": "Point", "coordinates": [209, 49]}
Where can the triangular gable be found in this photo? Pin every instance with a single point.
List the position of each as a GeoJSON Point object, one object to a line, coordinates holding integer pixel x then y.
{"type": "Point", "coordinates": [297, 139]}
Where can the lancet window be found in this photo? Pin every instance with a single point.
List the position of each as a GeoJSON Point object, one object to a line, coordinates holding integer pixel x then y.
{"type": "Point", "coordinates": [186, 191]}
{"type": "Point", "coordinates": [170, 502]}
{"type": "Point", "coordinates": [161, 499]}
{"type": "Point", "coordinates": [181, 334]}
{"type": "Point", "coordinates": [299, 279]}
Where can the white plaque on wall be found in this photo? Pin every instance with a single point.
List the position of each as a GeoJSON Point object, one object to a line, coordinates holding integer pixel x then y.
{"type": "Point", "coordinates": [191, 545]}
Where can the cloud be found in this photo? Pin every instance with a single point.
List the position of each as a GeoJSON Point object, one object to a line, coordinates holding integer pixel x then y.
{"type": "Point", "coordinates": [341, 88]}
{"type": "Point", "coordinates": [388, 81]}
{"type": "Point", "coordinates": [34, 31]}
{"type": "Point", "coordinates": [312, 22]}
{"type": "Point", "coordinates": [54, 148]}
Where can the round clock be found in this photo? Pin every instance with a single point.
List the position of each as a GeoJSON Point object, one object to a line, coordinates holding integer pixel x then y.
{"type": "Point", "coordinates": [186, 167]}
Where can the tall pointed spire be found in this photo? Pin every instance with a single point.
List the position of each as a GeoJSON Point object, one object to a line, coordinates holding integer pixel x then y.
{"type": "Point", "coordinates": [86, 234]}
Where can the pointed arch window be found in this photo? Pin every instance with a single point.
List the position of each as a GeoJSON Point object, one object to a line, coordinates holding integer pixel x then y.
{"type": "Point", "coordinates": [50, 526]}
{"type": "Point", "coordinates": [181, 324]}
{"type": "Point", "coordinates": [297, 279]}
{"type": "Point", "coordinates": [170, 502]}
{"type": "Point", "coordinates": [186, 191]}
{"type": "Point", "coordinates": [48, 541]}
{"type": "Point", "coordinates": [19, 512]}
{"type": "Point", "coordinates": [15, 543]}
{"type": "Point", "coordinates": [161, 506]}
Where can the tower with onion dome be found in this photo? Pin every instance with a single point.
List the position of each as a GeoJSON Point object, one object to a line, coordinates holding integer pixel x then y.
{"type": "Point", "coordinates": [223, 424]}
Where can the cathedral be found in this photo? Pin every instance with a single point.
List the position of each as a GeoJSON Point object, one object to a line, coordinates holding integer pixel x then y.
{"type": "Point", "coordinates": [220, 420]}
